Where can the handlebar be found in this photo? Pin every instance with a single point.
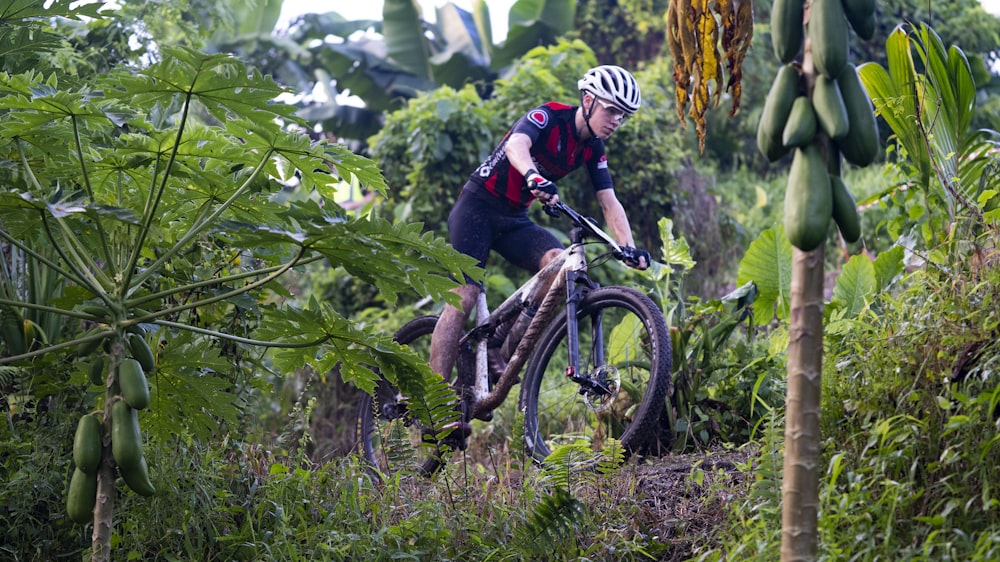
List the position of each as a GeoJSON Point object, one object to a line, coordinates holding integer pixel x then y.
{"type": "Point", "coordinates": [587, 225]}
{"type": "Point", "coordinates": [625, 254]}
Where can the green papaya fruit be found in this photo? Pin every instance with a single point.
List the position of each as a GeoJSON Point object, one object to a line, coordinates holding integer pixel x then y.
{"type": "Point", "coordinates": [833, 159]}
{"type": "Point", "coordinates": [126, 440]}
{"type": "Point", "coordinates": [140, 350]}
{"type": "Point", "coordinates": [777, 107]}
{"type": "Point", "coordinates": [845, 210]}
{"type": "Point", "coordinates": [808, 199]}
{"type": "Point", "coordinates": [831, 113]}
{"type": "Point", "coordinates": [137, 478]}
{"type": "Point", "coordinates": [96, 372]}
{"type": "Point", "coordinates": [786, 29]}
{"type": "Point", "coordinates": [861, 15]}
{"type": "Point", "coordinates": [801, 126]}
{"type": "Point", "coordinates": [828, 34]}
{"type": "Point", "coordinates": [86, 348]}
{"type": "Point", "coordinates": [82, 496]}
{"type": "Point", "coordinates": [87, 444]}
{"type": "Point", "coordinates": [861, 144]}
{"type": "Point", "coordinates": [133, 384]}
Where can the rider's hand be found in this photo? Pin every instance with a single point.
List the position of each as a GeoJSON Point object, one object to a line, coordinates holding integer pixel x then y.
{"type": "Point", "coordinates": [541, 188]}
{"type": "Point", "coordinates": [635, 258]}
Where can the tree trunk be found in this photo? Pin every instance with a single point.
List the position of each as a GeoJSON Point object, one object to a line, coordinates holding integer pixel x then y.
{"type": "Point", "coordinates": [800, 484]}
{"type": "Point", "coordinates": [105, 507]}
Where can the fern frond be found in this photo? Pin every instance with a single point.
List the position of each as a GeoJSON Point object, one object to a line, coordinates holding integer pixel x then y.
{"type": "Point", "coordinates": [565, 460]}
{"type": "Point", "coordinates": [767, 485]}
{"type": "Point", "coordinates": [612, 457]}
{"type": "Point", "coordinates": [551, 523]}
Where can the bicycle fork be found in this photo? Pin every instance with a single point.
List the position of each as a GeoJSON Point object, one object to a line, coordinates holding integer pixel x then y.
{"type": "Point", "coordinates": [588, 383]}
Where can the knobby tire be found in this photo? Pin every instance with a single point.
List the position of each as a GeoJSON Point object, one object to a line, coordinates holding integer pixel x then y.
{"type": "Point", "coordinates": [636, 342]}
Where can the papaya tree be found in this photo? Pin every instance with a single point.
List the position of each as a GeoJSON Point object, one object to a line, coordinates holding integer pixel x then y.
{"type": "Point", "coordinates": [149, 193]}
{"type": "Point", "coordinates": [818, 110]}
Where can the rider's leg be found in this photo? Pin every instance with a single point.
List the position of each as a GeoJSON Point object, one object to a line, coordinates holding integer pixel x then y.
{"type": "Point", "coordinates": [447, 332]}
{"type": "Point", "coordinates": [546, 260]}
{"type": "Point", "coordinates": [548, 256]}
{"type": "Point", "coordinates": [444, 350]}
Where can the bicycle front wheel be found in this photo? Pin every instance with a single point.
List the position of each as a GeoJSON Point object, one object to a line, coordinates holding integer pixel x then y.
{"type": "Point", "coordinates": [624, 342]}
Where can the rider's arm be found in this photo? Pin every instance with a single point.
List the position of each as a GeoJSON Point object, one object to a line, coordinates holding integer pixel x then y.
{"type": "Point", "coordinates": [518, 151]}
{"type": "Point", "coordinates": [614, 215]}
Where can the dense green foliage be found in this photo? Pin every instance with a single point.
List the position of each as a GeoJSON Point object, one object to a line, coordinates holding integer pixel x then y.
{"type": "Point", "coordinates": [428, 149]}
{"type": "Point", "coordinates": [909, 410]}
{"type": "Point", "coordinates": [240, 441]}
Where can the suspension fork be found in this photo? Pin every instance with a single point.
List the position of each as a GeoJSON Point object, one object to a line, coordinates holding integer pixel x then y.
{"type": "Point", "coordinates": [576, 275]}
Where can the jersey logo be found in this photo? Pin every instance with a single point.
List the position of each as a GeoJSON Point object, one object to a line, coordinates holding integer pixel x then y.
{"type": "Point", "coordinates": [539, 118]}
{"type": "Point", "coordinates": [602, 164]}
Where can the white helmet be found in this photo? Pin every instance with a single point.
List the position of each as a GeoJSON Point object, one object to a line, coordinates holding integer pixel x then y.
{"type": "Point", "coordinates": [614, 84]}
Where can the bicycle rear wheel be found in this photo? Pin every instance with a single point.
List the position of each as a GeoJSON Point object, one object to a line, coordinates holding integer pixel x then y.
{"type": "Point", "coordinates": [389, 437]}
{"type": "Point", "coordinates": [623, 337]}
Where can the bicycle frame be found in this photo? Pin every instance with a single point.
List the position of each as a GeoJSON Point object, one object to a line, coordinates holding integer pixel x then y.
{"type": "Point", "coordinates": [564, 272]}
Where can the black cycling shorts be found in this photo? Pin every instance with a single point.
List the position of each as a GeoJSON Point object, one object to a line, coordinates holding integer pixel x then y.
{"type": "Point", "coordinates": [480, 222]}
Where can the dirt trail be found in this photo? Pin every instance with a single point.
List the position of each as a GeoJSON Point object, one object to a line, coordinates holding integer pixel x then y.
{"type": "Point", "coordinates": [684, 498]}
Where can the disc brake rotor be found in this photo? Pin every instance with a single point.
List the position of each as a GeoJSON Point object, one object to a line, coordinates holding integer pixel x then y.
{"type": "Point", "coordinates": [610, 381]}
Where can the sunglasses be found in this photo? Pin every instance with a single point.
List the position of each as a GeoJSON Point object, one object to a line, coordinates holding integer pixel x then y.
{"type": "Point", "coordinates": [615, 111]}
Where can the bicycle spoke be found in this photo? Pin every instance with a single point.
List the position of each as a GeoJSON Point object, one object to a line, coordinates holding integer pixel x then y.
{"type": "Point", "coordinates": [621, 332]}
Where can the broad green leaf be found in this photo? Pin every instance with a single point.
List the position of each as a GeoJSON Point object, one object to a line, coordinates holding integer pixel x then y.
{"type": "Point", "coordinates": [887, 266]}
{"type": "Point", "coordinates": [461, 34]}
{"type": "Point", "coordinates": [532, 23]}
{"type": "Point", "coordinates": [405, 41]}
{"type": "Point", "coordinates": [675, 251]}
{"type": "Point", "coordinates": [624, 337]}
{"type": "Point", "coordinates": [560, 14]}
{"type": "Point", "coordinates": [965, 87]}
{"type": "Point", "coordinates": [855, 286]}
{"type": "Point", "coordinates": [481, 13]}
{"type": "Point", "coordinates": [768, 264]}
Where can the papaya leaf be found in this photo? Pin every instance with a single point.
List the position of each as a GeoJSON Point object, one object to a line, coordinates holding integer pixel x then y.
{"type": "Point", "coordinates": [190, 388]}
{"type": "Point", "coordinates": [14, 10]}
{"type": "Point", "coordinates": [220, 82]}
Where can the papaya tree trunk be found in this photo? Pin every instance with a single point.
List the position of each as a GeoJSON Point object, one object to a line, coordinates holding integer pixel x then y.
{"type": "Point", "coordinates": [800, 484]}
{"type": "Point", "coordinates": [104, 508]}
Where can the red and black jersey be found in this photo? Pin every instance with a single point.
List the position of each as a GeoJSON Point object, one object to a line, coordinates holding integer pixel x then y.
{"type": "Point", "coordinates": [556, 150]}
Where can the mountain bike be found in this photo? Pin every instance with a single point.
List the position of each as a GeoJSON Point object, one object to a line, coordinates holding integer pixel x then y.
{"type": "Point", "coordinates": [598, 365]}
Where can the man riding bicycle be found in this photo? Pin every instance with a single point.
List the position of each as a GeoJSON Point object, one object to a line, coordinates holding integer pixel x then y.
{"type": "Point", "coordinates": [544, 145]}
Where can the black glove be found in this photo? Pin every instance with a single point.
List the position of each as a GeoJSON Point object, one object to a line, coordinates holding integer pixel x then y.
{"type": "Point", "coordinates": [634, 257]}
{"type": "Point", "coordinates": [537, 182]}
